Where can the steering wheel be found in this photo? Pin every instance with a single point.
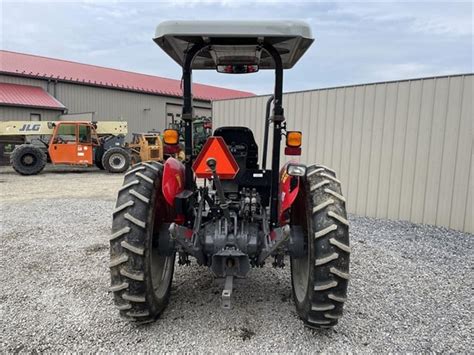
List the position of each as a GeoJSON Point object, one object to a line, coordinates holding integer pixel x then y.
{"type": "Point", "coordinates": [60, 140]}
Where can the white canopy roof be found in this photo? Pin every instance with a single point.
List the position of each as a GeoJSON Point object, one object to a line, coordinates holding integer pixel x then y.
{"type": "Point", "coordinates": [234, 42]}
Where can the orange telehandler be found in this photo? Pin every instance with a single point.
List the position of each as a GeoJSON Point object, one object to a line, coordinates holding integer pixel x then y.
{"type": "Point", "coordinates": [70, 143]}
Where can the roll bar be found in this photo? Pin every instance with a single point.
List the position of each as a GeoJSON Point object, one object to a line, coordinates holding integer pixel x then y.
{"type": "Point", "coordinates": [277, 118]}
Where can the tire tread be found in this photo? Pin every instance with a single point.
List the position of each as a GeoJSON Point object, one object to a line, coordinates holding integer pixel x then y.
{"type": "Point", "coordinates": [330, 230]}
{"type": "Point", "coordinates": [16, 162]}
{"type": "Point", "coordinates": [129, 276]}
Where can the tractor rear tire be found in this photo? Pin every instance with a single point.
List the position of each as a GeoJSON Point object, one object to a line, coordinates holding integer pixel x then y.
{"type": "Point", "coordinates": [27, 159]}
{"type": "Point", "coordinates": [140, 277]}
{"type": "Point", "coordinates": [116, 160]}
{"type": "Point", "coordinates": [320, 278]}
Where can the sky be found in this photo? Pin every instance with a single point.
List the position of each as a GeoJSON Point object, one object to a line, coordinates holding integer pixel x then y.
{"type": "Point", "coordinates": [356, 42]}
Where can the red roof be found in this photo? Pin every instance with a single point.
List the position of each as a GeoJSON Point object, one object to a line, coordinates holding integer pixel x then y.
{"type": "Point", "coordinates": [62, 70]}
{"type": "Point", "coordinates": [25, 95]}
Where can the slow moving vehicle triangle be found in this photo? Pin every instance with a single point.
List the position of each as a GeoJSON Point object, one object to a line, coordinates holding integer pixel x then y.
{"type": "Point", "coordinates": [215, 147]}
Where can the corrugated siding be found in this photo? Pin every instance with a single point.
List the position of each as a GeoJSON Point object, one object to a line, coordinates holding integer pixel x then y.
{"type": "Point", "coordinates": [143, 112]}
{"type": "Point", "coordinates": [8, 113]}
{"type": "Point", "coordinates": [24, 81]}
{"type": "Point", "coordinates": [403, 150]}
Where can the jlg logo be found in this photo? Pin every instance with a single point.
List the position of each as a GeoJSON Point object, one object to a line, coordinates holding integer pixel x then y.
{"type": "Point", "coordinates": [30, 127]}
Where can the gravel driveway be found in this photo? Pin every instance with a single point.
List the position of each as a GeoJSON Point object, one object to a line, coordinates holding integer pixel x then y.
{"type": "Point", "coordinates": [411, 287]}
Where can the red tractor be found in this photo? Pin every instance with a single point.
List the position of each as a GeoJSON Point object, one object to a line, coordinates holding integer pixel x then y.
{"type": "Point", "coordinates": [242, 213]}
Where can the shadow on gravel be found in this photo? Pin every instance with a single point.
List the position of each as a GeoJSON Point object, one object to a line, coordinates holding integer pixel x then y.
{"type": "Point", "coordinates": [51, 169]}
{"type": "Point", "coordinates": [75, 171]}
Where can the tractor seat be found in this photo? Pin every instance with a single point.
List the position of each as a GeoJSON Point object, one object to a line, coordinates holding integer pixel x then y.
{"type": "Point", "coordinates": [240, 141]}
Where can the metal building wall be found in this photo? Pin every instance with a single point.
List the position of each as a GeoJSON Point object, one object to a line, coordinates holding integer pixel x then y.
{"type": "Point", "coordinates": [24, 81]}
{"type": "Point", "coordinates": [403, 150]}
{"type": "Point", "coordinates": [10, 113]}
{"type": "Point", "coordinates": [143, 112]}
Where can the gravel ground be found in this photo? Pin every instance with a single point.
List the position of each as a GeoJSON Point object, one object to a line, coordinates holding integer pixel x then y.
{"type": "Point", "coordinates": [411, 287]}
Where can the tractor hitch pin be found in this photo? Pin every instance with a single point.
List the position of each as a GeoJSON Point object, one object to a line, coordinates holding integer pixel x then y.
{"type": "Point", "coordinates": [211, 163]}
{"type": "Point", "coordinates": [227, 292]}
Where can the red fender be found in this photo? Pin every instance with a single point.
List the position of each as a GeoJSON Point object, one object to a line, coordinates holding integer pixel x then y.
{"type": "Point", "coordinates": [173, 180]}
{"type": "Point", "coordinates": [287, 192]}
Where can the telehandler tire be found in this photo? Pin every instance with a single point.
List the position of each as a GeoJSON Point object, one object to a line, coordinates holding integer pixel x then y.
{"type": "Point", "coordinates": [320, 278]}
{"type": "Point", "coordinates": [140, 276]}
{"type": "Point", "coordinates": [99, 164]}
{"type": "Point", "coordinates": [116, 160]}
{"type": "Point", "coordinates": [27, 159]}
{"type": "Point", "coordinates": [98, 154]}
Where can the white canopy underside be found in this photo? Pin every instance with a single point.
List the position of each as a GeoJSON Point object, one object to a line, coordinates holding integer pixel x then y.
{"type": "Point", "coordinates": [234, 42]}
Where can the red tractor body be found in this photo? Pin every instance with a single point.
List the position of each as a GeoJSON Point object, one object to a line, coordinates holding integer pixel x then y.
{"type": "Point", "coordinates": [221, 206]}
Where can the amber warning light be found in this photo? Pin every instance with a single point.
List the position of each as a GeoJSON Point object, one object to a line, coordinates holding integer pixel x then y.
{"type": "Point", "coordinates": [293, 143]}
{"type": "Point", "coordinates": [215, 147]}
{"type": "Point", "coordinates": [171, 136]}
